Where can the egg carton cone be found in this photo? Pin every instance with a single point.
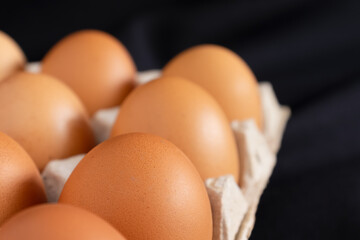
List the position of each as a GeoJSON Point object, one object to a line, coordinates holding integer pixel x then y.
{"type": "Point", "coordinates": [233, 207]}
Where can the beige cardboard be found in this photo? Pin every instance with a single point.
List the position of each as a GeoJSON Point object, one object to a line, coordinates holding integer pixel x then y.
{"type": "Point", "coordinates": [56, 173]}
{"type": "Point", "coordinates": [258, 157]}
{"type": "Point", "coordinates": [102, 122]}
{"type": "Point", "coordinates": [228, 205]}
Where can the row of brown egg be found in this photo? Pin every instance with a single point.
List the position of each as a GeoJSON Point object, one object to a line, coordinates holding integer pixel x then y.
{"type": "Point", "coordinates": [146, 180]}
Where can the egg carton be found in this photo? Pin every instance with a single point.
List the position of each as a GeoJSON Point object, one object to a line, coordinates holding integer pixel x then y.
{"type": "Point", "coordinates": [233, 208]}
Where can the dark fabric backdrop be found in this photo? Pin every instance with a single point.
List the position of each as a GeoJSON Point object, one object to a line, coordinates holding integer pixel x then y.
{"type": "Point", "coordinates": [308, 49]}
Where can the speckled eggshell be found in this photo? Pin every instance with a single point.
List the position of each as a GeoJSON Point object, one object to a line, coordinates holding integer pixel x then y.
{"type": "Point", "coordinates": [223, 74]}
{"type": "Point", "coordinates": [45, 117]}
{"type": "Point", "coordinates": [95, 65]}
{"type": "Point", "coordinates": [188, 116]}
{"type": "Point", "coordinates": [20, 182]}
{"type": "Point", "coordinates": [144, 186]}
{"type": "Point", "coordinates": [12, 58]}
{"type": "Point", "coordinates": [57, 222]}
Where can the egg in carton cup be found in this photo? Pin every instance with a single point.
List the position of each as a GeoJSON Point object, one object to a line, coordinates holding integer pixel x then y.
{"type": "Point", "coordinates": [233, 208]}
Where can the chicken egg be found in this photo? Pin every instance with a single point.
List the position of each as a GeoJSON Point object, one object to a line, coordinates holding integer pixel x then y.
{"type": "Point", "coordinates": [57, 222]}
{"type": "Point", "coordinates": [45, 117]}
{"type": "Point", "coordinates": [224, 75]}
{"type": "Point", "coordinates": [188, 116]}
{"type": "Point", "coordinates": [12, 58]}
{"type": "Point", "coordinates": [95, 65]}
{"type": "Point", "coordinates": [144, 186]}
{"type": "Point", "coordinates": [21, 185]}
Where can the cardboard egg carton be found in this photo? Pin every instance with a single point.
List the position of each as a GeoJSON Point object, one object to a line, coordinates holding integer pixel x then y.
{"type": "Point", "coordinates": [233, 208]}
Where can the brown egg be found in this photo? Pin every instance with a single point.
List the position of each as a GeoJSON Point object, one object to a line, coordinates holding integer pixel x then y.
{"type": "Point", "coordinates": [45, 117]}
{"type": "Point", "coordinates": [188, 116]}
{"type": "Point", "coordinates": [58, 222]}
{"type": "Point", "coordinates": [12, 58]}
{"type": "Point", "coordinates": [20, 182]}
{"type": "Point", "coordinates": [95, 65]}
{"type": "Point", "coordinates": [144, 186]}
{"type": "Point", "coordinates": [224, 75]}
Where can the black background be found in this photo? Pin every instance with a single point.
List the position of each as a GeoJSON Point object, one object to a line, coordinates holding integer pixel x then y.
{"type": "Point", "coordinates": [309, 50]}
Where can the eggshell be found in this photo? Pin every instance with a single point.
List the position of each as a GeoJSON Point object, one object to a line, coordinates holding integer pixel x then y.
{"type": "Point", "coordinates": [20, 181]}
{"type": "Point", "coordinates": [188, 116]}
{"type": "Point", "coordinates": [12, 58]}
{"type": "Point", "coordinates": [144, 186]}
{"type": "Point", "coordinates": [57, 222]}
{"type": "Point", "coordinates": [45, 117]}
{"type": "Point", "coordinates": [224, 75]}
{"type": "Point", "coordinates": [95, 65]}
